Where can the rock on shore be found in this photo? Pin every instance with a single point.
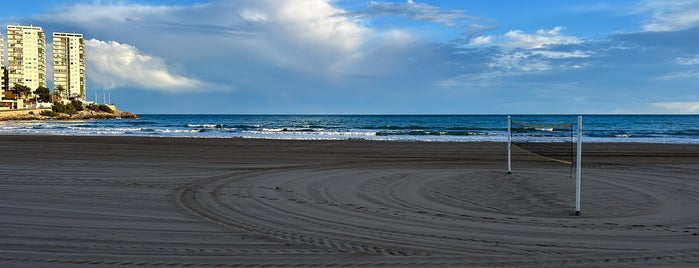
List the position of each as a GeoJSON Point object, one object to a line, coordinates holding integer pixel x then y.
{"type": "Point", "coordinates": [35, 115]}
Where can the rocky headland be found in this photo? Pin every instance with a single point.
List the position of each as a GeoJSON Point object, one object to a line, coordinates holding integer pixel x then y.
{"type": "Point", "coordinates": [49, 114]}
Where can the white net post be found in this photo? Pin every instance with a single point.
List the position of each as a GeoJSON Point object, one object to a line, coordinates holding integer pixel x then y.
{"type": "Point", "coordinates": [578, 166]}
{"type": "Point", "coordinates": [509, 145]}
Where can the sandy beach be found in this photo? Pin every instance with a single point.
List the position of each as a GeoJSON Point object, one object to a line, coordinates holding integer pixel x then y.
{"type": "Point", "coordinates": [69, 201]}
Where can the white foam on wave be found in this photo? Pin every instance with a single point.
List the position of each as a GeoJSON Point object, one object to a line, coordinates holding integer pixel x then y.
{"type": "Point", "coordinates": [212, 126]}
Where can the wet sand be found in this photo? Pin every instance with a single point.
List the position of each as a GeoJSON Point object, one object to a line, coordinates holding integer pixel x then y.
{"type": "Point", "coordinates": [171, 202]}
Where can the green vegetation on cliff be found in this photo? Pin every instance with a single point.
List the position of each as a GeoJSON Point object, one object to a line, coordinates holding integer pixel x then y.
{"type": "Point", "coordinates": [71, 110]}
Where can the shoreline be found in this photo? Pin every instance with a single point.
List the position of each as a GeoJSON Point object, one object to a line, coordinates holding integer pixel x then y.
{"type": "Point", "coordinates": [613, 143]}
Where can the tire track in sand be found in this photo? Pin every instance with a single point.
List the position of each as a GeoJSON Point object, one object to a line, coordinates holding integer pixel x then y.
{"type": "Point", "coordinates": [303, 205]}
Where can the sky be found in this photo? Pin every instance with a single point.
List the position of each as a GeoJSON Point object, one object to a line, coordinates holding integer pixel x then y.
{"type": "Point", "coordinates": [382, 57]}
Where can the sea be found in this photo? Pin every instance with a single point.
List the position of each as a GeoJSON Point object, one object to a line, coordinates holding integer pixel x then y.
{"type": "Point", "coordinates": [671, 129]}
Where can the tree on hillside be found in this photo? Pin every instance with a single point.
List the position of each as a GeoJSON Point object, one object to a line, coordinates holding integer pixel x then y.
{"type": "Point", "coordinates": [21, 91]}
{"type": "Point", "coordinates": [43, 93]}
{"type": "Point", "coordinates": [59, 107]}
{"type": "Point", "coordinates": [77, 104]}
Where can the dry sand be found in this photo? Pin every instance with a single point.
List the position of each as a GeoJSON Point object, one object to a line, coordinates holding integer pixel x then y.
{"type": "Point", "coordinates": [166, 202]}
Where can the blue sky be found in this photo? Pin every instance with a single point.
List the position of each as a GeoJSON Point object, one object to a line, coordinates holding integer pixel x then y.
{"type": "Point", "coordinates": [383, 57]}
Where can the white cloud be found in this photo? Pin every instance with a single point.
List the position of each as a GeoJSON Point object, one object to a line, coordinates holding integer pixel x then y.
{"type": "Point", "coordinates": [688, 60]}
{"type": "Point", "coordinates": [481, 41]}
{"type": "Point", "coordinates": [515, 39]}
{"type": "Point", "coordinates": [678, 107]}
{"type": "Point", "coordinates": [529, 51]}
{"type": "Point", "coordinates": [520, 61]}
{"type": "Point", "coordinates": [540, 39]}
{"type": "Point", "coordinates": [112, 64]}
{"type": "Point", "coordinates": [253, 15]}
{"type": "Point", "coordinates": [562, 54]}
{"type": "Point", "coordinates": [318, 21]}
{"type": "Point", "coordinates": [670, 15]}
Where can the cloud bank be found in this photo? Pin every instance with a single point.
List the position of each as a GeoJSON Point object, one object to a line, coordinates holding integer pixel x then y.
{"type": "Point", "coordinates": [307, 56]}
{"type": "Point", "coordinates": [113, 65]}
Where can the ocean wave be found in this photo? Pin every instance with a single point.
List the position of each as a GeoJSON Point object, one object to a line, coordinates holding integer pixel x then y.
{"type": "Point", "coordinates": [169, 131]}
{"type": "Point", "coordinates": [390, 127]}
{"type": "Point", "coordinates": [651, 129]}
{"type": "Point", "coordinates": [540, 129]}
{"type": "Point", "coordinates": [291, 130]}
{"type": "Point", "coordinates": [431, 133]}
{"type": "Point", "coordinates": [204, 125]}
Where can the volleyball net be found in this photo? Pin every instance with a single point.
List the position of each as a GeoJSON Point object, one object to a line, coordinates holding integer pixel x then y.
{"type": "Point", "coordinates": [553, 142]}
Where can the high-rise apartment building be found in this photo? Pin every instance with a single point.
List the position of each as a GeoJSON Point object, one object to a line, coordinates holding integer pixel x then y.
{"type": "Point", "coordinates": [26, 56]}
{"type": "Point", "coordinates": [2, 66]}
{"type": "Point", "coordinates": [69, 65]}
